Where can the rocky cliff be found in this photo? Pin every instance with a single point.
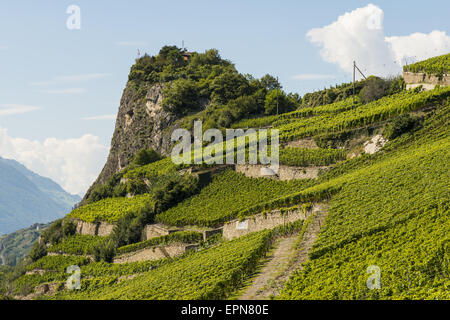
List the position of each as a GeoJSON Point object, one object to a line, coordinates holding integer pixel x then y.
{"type": "Point", "coordinates": [141, 123]}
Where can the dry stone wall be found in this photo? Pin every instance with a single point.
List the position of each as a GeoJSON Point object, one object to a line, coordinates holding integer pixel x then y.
{"type": "Point", "coordinates": [262, 221]}
{"type": "Point", "coordinates": [94, 229]}
{"type": "Point", "coordinates": [308, 143]}
{"type": "Point", "coordinates": [155, 253]}
{"type": "Point", "coordinates": [284, 172]}
{"type": "Point", "coordinates": [428, 81]}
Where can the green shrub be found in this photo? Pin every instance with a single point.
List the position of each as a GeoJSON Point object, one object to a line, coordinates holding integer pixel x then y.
{"type": "Point", "coordinates": [105, 251]}
{"type": "Point", "coordinates": [69, 228]}
{"type": "Point", "coordinates": [145, 156]}
{"type": "Point", "coordinates": [401, 125]}
{"type": "Point", "coordinates": [54, 233]}
{"type": "Point", "coordinates": [39, 250]}
{"type": "Point", "coordinates": [181, 97]}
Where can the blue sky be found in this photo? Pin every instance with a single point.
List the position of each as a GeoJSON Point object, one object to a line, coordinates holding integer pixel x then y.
{"type": "Point", "coordinates": [56, 79]}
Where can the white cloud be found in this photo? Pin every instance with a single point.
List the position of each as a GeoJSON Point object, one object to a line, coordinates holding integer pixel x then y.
{"type": "Point", "coordinates": [10, 109]}
{"type": "Point", "coordinates": [73, 163]}
{"type": "Point", "coordinates": [101, 117]}
{"type": "Point", "coordinates": [65, 91]}
{"type": "Point", "coordinates": [359, 36]}
{"type": "Point", "coordinates": [307, 76]}
{"type": "Point", "coordinates": [71, 79]}
{"type": "Point", "coordinates": [130, 43]}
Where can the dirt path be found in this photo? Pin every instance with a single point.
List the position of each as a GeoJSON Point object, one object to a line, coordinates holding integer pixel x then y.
{"type": "Point", "coordinates": [285, 260]}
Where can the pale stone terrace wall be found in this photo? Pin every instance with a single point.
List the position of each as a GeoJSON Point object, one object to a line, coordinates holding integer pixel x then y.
{"type": "Point", "coordinates": [308, 143]}
{"type": "Point", "coordinates": [157, 230]}
{"type": "Point", "coordinates": [269, 220]}
{"type": "Point", "coordinates": [156, 253]}
{"type": "Point", "coordinates": [428, 82]}
{"type": "Point", "coordinates": [284, 172]}
{"type": "Point", "coordinates": [411, 78]}
{"type": "Point", "coordinates": [94, 229]}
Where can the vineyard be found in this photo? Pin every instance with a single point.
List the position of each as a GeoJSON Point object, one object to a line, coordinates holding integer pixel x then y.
{"type": "Point", "coordinates": [437, 66]}
{"type": "Point", "coordinates": [208, 274]}
{"type": "Point", "coordinates": [110, 209]}
{"type": "Point", "coordinates": [77, 245]}
{"type": "Point", "coordinates": [219, 202]}
{"type": "Point", "coordinates": [388, 209]}
{"type": "Point", "coordinates": [397, 220]}
{"type": "Point", "coordinates": [364, 115]}
{"type": "Point", "coordinates": [176, 237]}
{"type": "Point", "coordinates": [305, 157]}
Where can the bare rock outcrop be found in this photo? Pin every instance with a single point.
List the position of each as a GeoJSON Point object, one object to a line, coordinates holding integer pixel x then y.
{"type": "Point", "coordinates": [141, 123]}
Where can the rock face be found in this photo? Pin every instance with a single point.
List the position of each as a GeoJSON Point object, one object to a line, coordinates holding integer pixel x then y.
{"type": "Point", "coordinates": [375, 144]}
{"type": "Point", "coordinates": [141, 123]}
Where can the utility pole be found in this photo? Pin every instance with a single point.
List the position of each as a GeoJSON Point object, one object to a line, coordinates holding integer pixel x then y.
{"type": "Point", "coordinates": [354, 78]}
{"type": "Point", "coordinates": [354, 70]}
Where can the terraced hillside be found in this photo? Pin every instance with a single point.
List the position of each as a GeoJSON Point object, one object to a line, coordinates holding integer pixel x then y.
{"type": "Point", "coordinates": [380, 201]}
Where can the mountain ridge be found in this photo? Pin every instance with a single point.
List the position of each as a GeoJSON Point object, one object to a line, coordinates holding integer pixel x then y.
{"type": "Point", "coordinates": [27, 198]}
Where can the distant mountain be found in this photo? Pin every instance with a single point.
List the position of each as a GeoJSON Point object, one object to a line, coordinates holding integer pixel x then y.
{"type": "Point", "coordinates": [27, 198]}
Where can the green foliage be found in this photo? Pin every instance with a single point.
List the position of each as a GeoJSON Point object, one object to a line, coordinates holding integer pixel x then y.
{"type": "Point", "coordinates": [302, 112]}
{"type": "Point", "coordinates": [400, 125]}
{"type": "Point", "coordinates": [397, 219]}
{"type": "Point", "coordinates": [437, 66]}
{"type": "Point", "coordinates": [208, 274]}
{"type": "Point", "coordinates": [129, 228]}
{"type": "Point", "coordinates": [219, 202]}
{"type": "Point", "coordinates": [173, 189]}
{"type": "Point", "coordinates": [110, 209]}
{"type": "Point", "coordinates": [69, 228]}
{"type": "Point", "coordinates": [149, 171]}
{"type": "Point", "coordinates": [104, 250]}
{"type": "Point", "coordinates": [306, 157]}
{"type": "Point", "coordinates": [176, 237]}
{"type": "Point", "coordinates": [112, 188]}
{"type": "Point", "coordinates": [332, 95]}
{"type": "Point", "coordinates": [374, 89]}
{"type": "Point", "coordinates": [17, 245]}
{"type": "Point", "coordinates": [39, 250]}
{"type": "Point", "coordinates": [144, 157]}
{"type": "Point", "coordinates": [76, 245]}
{"type": "Point", "coordinates": [181, 96]}
{"type": "Point", "coordinates": [278, 102]}
{"type": "Point", "coordinates": [364, 115]}
{"type": "Point", "coordinates": [53, 233]}
{"type": "Point", "coordinates": [58, 263]}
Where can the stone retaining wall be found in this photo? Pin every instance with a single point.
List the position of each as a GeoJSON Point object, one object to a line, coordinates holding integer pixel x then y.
{"type": "Point", "coordinates": [270, 220]}
{"type": "Point", "coordinates": [284, 172]}
{"type": "Point", "coordinates": [94, 229]}
{"type": "Point", "coordinates": [157, 230]}
{"type": "Point", "coordinates": [428, 82]}
{"type": "Point", "coordinates": [155, 253]}
{"type": "Point", "coordinates": [308, 143]}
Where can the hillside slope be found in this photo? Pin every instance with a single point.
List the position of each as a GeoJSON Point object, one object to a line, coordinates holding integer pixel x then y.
{"type": "Point", "coordinates": [374, 173]}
